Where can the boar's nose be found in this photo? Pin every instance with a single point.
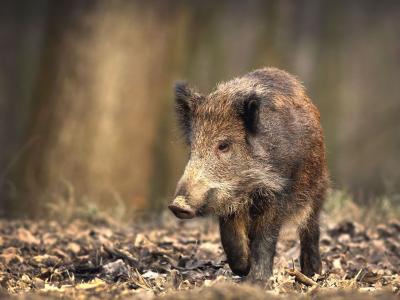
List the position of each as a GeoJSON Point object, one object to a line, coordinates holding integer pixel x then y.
{"type": "Point", "coordinates": [181, 209]}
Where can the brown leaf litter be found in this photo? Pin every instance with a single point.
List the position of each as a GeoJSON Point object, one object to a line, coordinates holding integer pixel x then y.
{"type": "Point", "coordinates": [184, 260]}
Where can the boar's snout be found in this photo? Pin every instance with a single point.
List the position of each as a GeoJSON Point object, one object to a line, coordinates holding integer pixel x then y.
{"type": "Point", "coordinates": [181, 209]}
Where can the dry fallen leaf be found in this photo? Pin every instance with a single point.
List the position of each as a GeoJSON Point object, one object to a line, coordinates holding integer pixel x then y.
{"type": "Point", "coordinates": [9, 255]}
{"type": "Point", "coordinates": [25, 278]}
{"type": "Point", "coordinates": [48, 260]}
{"type": "Point", "coordinates": [209, 248]}
{"type": "Point", "coordinates": [26, 236]}
{"type": "Point", "coordinates": [371, 277]}
{"type": "Point", "coordinates": [52, 288]}
{"type": "Point", "coordinates": [95, 283]}
{"type": "Point", "coordinates": [116, 269]}
{"type": "Point", "coordinates": [337, 264]}
{"type": "Point", "coordinates": [73, 247]}
{"type": "Point", "coordinates": [72, 262]}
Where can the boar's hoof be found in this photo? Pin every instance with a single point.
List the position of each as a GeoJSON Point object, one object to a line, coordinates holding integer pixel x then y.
{"type": "Point", "coordinates": [181, 209]}
{"type": "Point", "coordinates": [240, 269]}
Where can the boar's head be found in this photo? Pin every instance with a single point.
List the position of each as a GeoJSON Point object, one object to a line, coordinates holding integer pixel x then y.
{"type": "Point", "coordinates": [227, 163]}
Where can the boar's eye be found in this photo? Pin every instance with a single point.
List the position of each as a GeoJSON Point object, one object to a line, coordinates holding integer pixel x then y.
{"type": "Point", "coordinates": [224, 146]}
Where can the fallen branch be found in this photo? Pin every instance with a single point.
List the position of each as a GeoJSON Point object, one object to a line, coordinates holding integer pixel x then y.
{"type": "Point", "coordinates": [301, 277]}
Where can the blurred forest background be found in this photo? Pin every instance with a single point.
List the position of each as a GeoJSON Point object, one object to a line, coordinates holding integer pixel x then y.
{"type": "Point", "coordinates": [86, 104]}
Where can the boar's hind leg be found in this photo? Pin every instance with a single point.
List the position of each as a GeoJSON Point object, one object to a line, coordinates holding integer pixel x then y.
{"type": "Point", "coordinates": [263, 238]}
{"type": "Point", "coordinates": [310, 260]}
{"type": "Point", "coordinates": [234, 239]}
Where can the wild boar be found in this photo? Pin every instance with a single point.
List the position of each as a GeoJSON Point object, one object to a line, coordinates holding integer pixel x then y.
{"type": "Point", "coordinates": [257, 161]}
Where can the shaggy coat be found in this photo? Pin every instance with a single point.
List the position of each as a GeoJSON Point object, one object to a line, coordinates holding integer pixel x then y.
{"type": "Point", "coordinates": [257, 161]}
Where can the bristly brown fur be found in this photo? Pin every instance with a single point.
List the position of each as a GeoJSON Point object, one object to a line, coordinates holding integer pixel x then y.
{"type": "Point", "coordinates": [274, 169]}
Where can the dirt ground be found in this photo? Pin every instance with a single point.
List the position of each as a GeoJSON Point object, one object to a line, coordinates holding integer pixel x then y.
{"type": "Point", "coordinates": [184, 260]}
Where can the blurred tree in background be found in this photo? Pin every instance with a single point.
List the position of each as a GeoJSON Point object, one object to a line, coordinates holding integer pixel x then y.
{"type": "Point", "coordinates": [86, 101]}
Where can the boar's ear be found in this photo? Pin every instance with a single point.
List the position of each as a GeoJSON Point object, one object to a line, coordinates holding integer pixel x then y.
{"type": "Point", "coordinates": [185, 101]}
{"type": "Point", "coordinates": [249, 109]}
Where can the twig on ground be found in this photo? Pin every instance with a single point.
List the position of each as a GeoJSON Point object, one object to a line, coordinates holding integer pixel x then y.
{"type": "Point", "coordinates": [301, 277]}
{"type": "Point", "coordinates": [358, 275]}
{"type": "Point", "coordinates": [353, 282]}
{"type": "Point", "coordinates": [124, 255]}
{"type": "Point", "coordinates": [313, 290]}
{"type": "Point", "coordinates": [143, 282]}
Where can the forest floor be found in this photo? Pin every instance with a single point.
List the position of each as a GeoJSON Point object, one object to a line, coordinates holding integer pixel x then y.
{"type": "Point", "coordinates": [184, 260]}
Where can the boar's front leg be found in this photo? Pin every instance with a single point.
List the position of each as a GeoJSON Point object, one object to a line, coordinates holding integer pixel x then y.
{"type": "Point", "coordinates": [234, 238]}
{"type": "Point", "coordinates": [263, 238]}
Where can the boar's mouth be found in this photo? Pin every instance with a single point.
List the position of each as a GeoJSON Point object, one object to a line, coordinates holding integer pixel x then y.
{"type": "Point", "coordinates": [206, 208]}
{"type": "Point", "coordinates": [203, 210]}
